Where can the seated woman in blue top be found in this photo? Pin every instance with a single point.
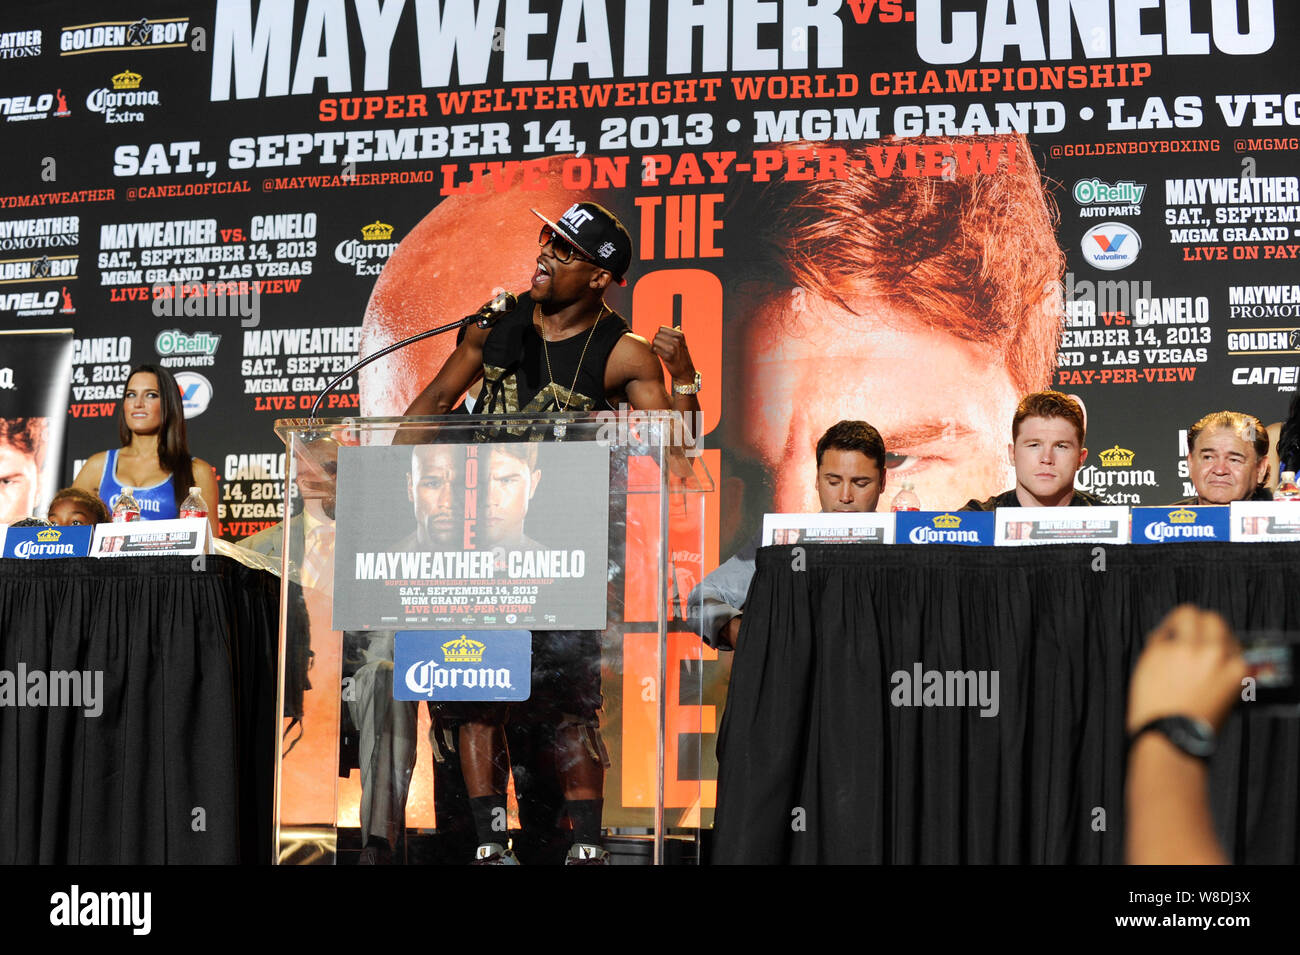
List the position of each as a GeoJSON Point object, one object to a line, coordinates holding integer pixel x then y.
{"type": "Point", "coordinates": [154, 453]}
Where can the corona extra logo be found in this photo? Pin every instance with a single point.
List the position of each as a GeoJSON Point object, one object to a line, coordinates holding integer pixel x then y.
{"type": "Point", "coordinates": [48, 536]}
{"type": "Point", "coordinates": [1116, 457]}
{"type": "Point", "coordinates": [377, 231]}
{"type": "Point", "coordinates": [127, 80]}
{"type": "Point", "coordinates": [1182, 516]}
{"type": "Point", "coordinates": [947, 520]}
{"type": "Point", "coordinates": [463, 650]}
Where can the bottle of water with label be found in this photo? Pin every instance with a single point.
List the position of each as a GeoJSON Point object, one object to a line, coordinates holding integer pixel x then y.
{"type": "Point", "coordinates": [1286, 487]}
{"type": "Point", "coordinates": [194, 505]}
{"type": "Point", "coordinates": [126, 508]}
{"type": "Point", "coordinates": [906, 500]}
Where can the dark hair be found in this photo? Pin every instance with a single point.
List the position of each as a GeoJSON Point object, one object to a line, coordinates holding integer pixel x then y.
{"type": "Point", "coordinates": [27, 435]}
{"type": "Point", "coordinates": [1048, 404]}
{"type": "Point", "coordinates": [853, 436]}
{"type": "Point", "coordinates": [1247, 426]}
{"type": "Point", "coordinates": [1288, 442]}
{"type": "Point", "coordinates": [87, 500]}
{"type": "Point", "coordinates": [173, 445]}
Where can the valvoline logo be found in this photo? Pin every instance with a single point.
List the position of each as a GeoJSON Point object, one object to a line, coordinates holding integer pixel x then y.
{"type": "Point", "coordinates": [196, 392]}
{"type": "Point", "coordinates": [1111, 246]}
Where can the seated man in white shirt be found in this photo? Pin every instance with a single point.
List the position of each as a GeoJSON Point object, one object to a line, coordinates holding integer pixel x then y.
{"type": "Point", "coordinates": [850, 477]}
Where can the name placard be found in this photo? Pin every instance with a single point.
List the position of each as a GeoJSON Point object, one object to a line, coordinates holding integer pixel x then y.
{"type": "Point", "coordinates": [968, 528]}
{"type": "Point", "coordinates": [29, 543]}
{"type": "Point", "coordinates": [837, 528]}
{"type": "Point", "coordinates": [1027, 526]}
{"type": "Point", "coordinates": [187, 535]}
{"type": "Point", "coordinates": [1165, 525]}
{"type": "Point", "coordinates": [1265, 521]}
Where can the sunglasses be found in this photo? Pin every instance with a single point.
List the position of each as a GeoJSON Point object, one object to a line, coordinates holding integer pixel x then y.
{"type": "Point", "coordinates": [563, 250]}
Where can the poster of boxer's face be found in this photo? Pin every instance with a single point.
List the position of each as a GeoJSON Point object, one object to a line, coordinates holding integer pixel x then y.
{"type": "Point", "coordinates": [473, 536]}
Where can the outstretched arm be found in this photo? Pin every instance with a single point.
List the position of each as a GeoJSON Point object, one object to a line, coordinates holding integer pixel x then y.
{"type": "Point", "coordinates": [462, 368]}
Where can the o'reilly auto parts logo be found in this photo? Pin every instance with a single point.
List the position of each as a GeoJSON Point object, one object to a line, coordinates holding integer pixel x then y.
{"type": "Point", "coordinates": [179, 350]}
{"type": "Point", "coordinates": [368, 254]}
{"type": "Point", "coordinates": [1111, 246]}
{"type": "Point", "coordinates": [125, 101]}
{"type": "Point", "coordinates": [481, 665]}
{"type": "Point", "coordinates": [141, 34]}
{"type": "Point", "coordinates": [1106, 199]}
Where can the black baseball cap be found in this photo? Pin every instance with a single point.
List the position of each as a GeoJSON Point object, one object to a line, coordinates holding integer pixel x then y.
{"type": "Point", "coordinates": [597, 234]}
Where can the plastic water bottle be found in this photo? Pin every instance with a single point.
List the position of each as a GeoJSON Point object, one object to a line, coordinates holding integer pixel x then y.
{"type": "Point", "coordinates": [1286, 487]}
{"type": "Point", "coordinates": [194, 505]}
{"type": "Point", "coordinates": [126, 508]}
{"type": "Point", "coordinates": [906, 500]}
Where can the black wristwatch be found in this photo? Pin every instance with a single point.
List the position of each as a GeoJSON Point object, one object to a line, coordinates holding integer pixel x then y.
{"type": "Point", "coordinates": [1194, 737]}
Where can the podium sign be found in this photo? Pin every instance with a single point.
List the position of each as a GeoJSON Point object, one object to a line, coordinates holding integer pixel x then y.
{"type": "Point", "coordinates": [472, 536]}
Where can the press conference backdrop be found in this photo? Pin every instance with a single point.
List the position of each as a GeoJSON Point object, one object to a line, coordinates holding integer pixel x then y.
{"type": "Point", "coordinates": [253, 194]}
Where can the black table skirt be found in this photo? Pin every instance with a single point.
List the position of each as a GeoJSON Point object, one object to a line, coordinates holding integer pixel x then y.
{"type": "Point", "coordinates": [816, 765]}
{"type": "Point", "coordinates": [178, 768]}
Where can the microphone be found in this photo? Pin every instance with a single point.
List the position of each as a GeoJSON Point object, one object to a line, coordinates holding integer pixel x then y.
{"type": "Point", "coordinates": [485, 317]}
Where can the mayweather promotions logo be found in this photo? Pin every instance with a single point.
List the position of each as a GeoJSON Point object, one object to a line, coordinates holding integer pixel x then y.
{"type": "Point", "coordinates": [18, 43]}
{"type": "Point", "coordinates": [368, 254]}
{"type": "Point", "coordinates": [121, 103]}
{"type": "Point", "coordinates": [18, 234]}
{"type": "Point", "coordinates": [141, 34]}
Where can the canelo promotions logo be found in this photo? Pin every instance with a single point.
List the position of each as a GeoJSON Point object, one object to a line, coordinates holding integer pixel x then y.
{"type": "Point", "coordinates": [126, 92]}
{"type": "Point", "coordinates": [20, 109]}
{"type": "Point", "coordinates": [368, 255]}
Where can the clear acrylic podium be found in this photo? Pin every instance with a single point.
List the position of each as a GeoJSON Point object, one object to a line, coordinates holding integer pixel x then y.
{"type": "Point", "coordinates": [365, 777]}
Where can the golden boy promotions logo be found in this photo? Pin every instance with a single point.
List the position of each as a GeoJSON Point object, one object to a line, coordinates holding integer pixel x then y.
{"type": "Point", "coordinates": [141, 34]}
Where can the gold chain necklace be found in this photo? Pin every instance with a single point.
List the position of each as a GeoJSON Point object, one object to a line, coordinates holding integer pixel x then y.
{"type": "Point", "coordinates": [547, 352]}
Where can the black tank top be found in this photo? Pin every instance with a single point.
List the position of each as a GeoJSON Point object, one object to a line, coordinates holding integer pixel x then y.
{"type": "Point", "coordinates": [515, 375]}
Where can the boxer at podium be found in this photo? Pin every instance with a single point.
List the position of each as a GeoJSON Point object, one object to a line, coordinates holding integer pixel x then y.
{"type": "Point", "coordinates": [1227, 459]}
{"type": "Point", "coordinates": [1047, 449]}
{"type": "Point", "coordinates": [559, 349]}
{"type": "Point", "coordinates": [850, 477]}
